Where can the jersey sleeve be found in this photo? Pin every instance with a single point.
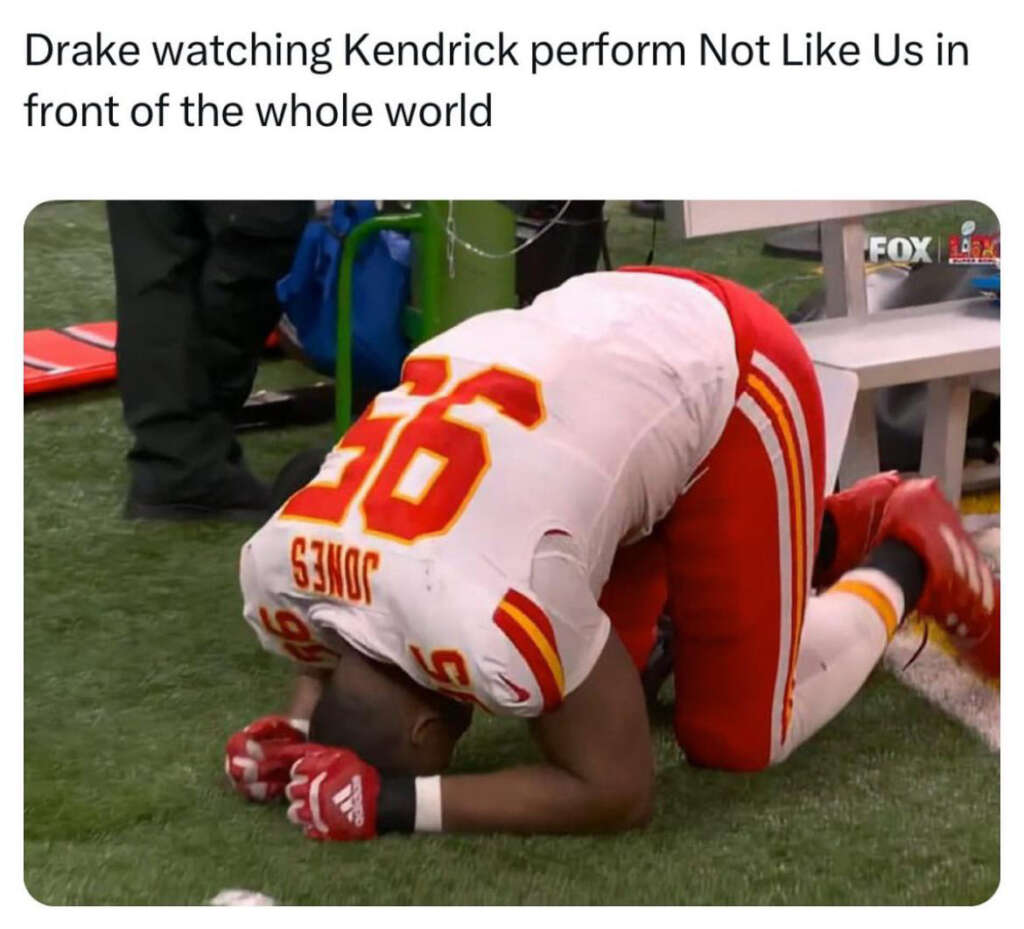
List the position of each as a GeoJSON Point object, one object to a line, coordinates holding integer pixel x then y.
{"type": "Point", "coordinates": [549, 638]}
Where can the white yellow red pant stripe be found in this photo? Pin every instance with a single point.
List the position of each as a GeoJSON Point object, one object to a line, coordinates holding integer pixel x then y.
{"type": "Point", "coordinates": [739, 548]}
{"type": "Point", "coordinates": [760, 665]}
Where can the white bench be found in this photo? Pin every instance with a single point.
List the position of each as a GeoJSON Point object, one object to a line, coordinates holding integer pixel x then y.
{"type": "Point", "coordinates": [953, 346]}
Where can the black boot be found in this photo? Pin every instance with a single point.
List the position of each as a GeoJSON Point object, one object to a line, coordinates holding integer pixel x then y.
{"type": "Point", "coordinates": [238, 496]}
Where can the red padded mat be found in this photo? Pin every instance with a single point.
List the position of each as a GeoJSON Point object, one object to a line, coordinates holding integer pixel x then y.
{"type": "Point", "coordinates": [76, 356]}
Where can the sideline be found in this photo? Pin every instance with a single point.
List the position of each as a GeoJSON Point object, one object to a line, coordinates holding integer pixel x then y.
{"type": "Point", "coordinates": [936, 675]}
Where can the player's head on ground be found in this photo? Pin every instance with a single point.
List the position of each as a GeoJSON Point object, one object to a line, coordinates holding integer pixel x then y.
{"type": "Point", "coordinates": [387, 719]}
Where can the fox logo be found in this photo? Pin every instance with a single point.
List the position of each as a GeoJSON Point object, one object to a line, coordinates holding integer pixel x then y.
{"type": "Point", "coordinates": [349, 800]}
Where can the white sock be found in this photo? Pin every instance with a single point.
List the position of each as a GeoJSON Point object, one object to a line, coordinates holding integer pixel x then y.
{"type": "Point", "coordinates": [844, 633]}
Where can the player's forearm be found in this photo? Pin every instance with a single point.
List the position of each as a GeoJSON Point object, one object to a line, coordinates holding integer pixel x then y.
{"type": "Point", "coordinates": [308, 687]}
{"type": "Point", "coordinates": [540, 798]}
{"type": "Point", "coordinates": [599, 770]}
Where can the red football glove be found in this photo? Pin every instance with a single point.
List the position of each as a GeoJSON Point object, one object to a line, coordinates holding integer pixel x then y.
{"type": "Point", "coordinates": [333, 795]}
{"type": "Point", "coordinates": [257, 759]}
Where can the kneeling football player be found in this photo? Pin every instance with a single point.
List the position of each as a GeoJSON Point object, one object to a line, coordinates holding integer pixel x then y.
{"type": "Point", "coordinates": [502, 531]}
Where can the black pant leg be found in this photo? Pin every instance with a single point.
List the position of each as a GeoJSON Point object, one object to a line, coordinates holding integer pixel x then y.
{"type": "Point", "coordinates": [252, 244]}
{"type": "Point", "coordinates": [181, 436]}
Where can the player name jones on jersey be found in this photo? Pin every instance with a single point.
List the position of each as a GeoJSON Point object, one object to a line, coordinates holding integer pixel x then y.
{"type": "Point", "coordinates": [329, 568]}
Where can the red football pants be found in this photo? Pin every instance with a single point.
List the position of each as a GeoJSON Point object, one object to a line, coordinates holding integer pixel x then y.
{"type": "Point", "coordinates": [733, 558]}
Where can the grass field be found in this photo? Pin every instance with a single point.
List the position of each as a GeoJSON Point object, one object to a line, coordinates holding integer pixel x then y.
{"type": "Point", "coordinates": [138, 666]}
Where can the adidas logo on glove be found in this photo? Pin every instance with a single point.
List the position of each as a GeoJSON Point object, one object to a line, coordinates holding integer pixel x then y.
{"type": "Point", "coordinates": [350, 801]}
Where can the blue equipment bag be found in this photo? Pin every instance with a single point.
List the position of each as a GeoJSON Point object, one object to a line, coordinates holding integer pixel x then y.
{"type": "Point", "coordinates": [990, 285]}
{"type": "Point", "coordinates": [380, 292]}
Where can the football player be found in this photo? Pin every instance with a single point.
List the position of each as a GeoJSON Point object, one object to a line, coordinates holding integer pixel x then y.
{"type": "Point", "coordinates": [502, 531]}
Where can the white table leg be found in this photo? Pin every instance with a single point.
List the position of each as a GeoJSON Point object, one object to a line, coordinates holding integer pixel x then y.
{"type": "Point", "coordinates": [945, 433]}
{"type": "Point", "coordinates": [860, 456]}
{"type": "Point", "coordinates": [842, 256]}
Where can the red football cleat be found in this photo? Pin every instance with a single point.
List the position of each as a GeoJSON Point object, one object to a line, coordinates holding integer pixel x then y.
{"type": "Point", "coordinates": [857, 512]}
{"type": "Point", "coordinates": [960, 594]}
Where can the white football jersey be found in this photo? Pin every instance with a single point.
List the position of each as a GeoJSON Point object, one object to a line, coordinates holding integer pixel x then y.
{"type": "Point", "coordinates": [584, 415]}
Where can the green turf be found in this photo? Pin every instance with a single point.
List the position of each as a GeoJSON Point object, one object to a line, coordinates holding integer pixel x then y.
{"type": "Point", "coordinates": [138, 666]}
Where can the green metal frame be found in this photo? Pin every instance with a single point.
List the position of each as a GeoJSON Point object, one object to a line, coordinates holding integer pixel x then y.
{"type": "Point", "coordinates": [445, 289]}
{"type": "Point", "coordinates": [420, 322]}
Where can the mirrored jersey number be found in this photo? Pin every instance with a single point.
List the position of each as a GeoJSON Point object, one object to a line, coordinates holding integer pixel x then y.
{"type": "Point", "coordinates": [447, 669]}
{"type": "Point", "coordinates": [296, 639]}
{"type": "Point", "coordinates": [458, 452]}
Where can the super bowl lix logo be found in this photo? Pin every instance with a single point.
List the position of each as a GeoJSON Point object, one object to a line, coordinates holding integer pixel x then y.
{"type": "Point", "coordinates": [970, 248]}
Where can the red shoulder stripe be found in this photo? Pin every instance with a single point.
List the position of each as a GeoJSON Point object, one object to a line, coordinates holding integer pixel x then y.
{"type": "Point", "coordinates": [539, 617]}
{"type": "Point", "coordinates": [541, 670]}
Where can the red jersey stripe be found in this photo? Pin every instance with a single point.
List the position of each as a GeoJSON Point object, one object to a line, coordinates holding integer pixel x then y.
{"type": "Point", "coordinates": [541, 670]}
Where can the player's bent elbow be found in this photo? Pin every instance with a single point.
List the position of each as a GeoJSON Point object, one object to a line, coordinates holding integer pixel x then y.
{"type": "Point", "coordinates": [628, 807]}
{"type": "Point", "coordinates": [631, 792]}
{"type": "Point", "coordinates": [641, 809]}
{"type": "Point", "coordinates": [632, 812]}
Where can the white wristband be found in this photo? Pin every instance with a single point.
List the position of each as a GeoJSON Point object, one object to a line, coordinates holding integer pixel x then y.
{"type": "Point", "coordinates": [301, 724]}
{"type": "Point", "coordinates": [428, 804]}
